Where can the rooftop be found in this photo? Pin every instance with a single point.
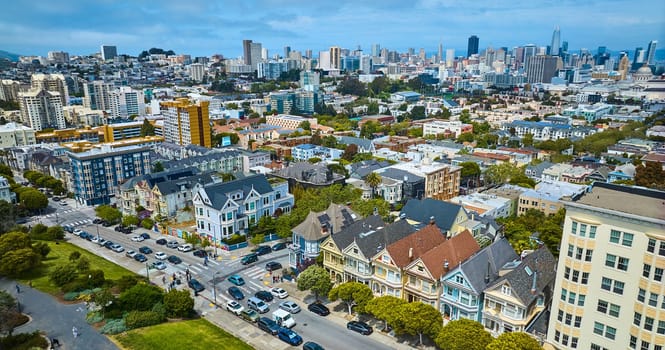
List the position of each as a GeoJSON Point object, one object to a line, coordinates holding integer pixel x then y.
{"type": "Point", "coordinates": [625, 199]}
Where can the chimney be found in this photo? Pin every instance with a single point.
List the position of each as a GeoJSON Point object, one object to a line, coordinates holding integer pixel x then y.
{"type": "Point", "coordinates": [410, 253]}
{"type": "Point", "coordinates": [533, 284]}
{"type": "Point", "coordinates": [487, 275]}
{"type": "Point", "coordinates": [446, 265]}
{"type": "Point", "coordinates": [431, 220]}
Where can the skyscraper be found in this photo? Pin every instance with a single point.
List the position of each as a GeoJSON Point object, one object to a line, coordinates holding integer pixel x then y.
{"type": "Point", "coordinates": [541, 68]}
{"type": "Point", "coordinates": [109, 52]}
{"type": "Point", "coordinates": [51, 82]}
{"type": "Point", "coordinates": [473, 46]}
{"type": "Point", "coordinates": [556, 42]}
{"type": "Point", "coordinates": [41, 109]}
{"type": "Point", "coordinates": [186, 123]}
{"type": "Point", "coordinates": [287, 51]}
{"type": "Point", "coordinates": [97, 95]}
{"type": "Point", "coordinates": [335, 57]}
{"type": "Point", "coordinates": [256, 54]}
{"type": "Point", "coordinates": [639, 56]}
{"type": "Point", "coordinates": [247, 51]}
{"type": "Point", "coordinates": [651, 51]}
{"type": "Point", "coordinates": [376, 50]}
{"type": "Point", "coordinates": [439, 55]}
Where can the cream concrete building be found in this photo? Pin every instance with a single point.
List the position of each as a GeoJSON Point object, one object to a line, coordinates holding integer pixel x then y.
{"type": "Point", "coordinates": [609, 291]}
{"type": "Point", "coordinates": [14, 134]}
{"type": "Point", "coordinates": [42, 109]}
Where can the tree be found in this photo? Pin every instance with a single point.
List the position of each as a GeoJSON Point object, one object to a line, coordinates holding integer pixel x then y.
{"type": "Point", "coordinates": [514, 341]}
{"type": "Point", "coordinates": [315, 279]}
{"type": "Point", "coordinates": [373, 108]}
{"type": "Point", "coordinates": [129, 220]}
{"type": "Point", "coordinates": [147, 129]}
{"type": "Point", "coordinates": [178, 303]}
{"type": "Point", "coordinates": [32, 199]}
{"type": "Point", "coordinates": [418, 112]}
{"type": "Point", "coordinates": [103, 299]}
{"type": "Point", "coordinates": [63, 274]}
{"type": "Point", "coordinates": [470, 169]}
{"type": "Point", "coordinates": [527, 140]}
{"type": "Point", "coordinates": [373, 180]}
{"type": "Point", "coordinates": [108, 213]}
{"type": "Point", "coordinates": [7, 216]}
{"type": "Point", "coordinates": [385, 308]}
{"type": "Point", "coordinates": [349, 152]}
{"type": "Point", "coordinates": [463, 334]}
{"type": "Point", "coordinates": [352, 294]}
{"type": "Point", "coordinates": [6, 171]}
{"type": "Point", "coordinates": [352, 86]}
{"type": "Point", "coordinates": [501, 173]}
{"type": "Point", "coordinates": [650, 175]}
{"type": "Point", "coordinates": [305, 125]}
{"type": "Point", "coordinates": [141, 297]}
{"type": "Point", "coordinates": [8, 312]}
{"type": "Point", "coordinates": [157, 167]}
{"type": "Point", "coordinates": [420, 319]}
{"type": "Point", "coordinates": [148, 223]}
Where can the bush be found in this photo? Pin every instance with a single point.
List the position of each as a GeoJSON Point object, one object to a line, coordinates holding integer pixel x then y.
{"type": "Point", "coordinates": [23, 341]}
{"type": "Point", "coordinates": [114, 313]}
{"type": "Point", "coordinates": [126, 282]}
{"type": "Point", "coordinates": [147, 223]}
{"type": "Point", "coordinates": [114, 326]}
{"type": "Point", "coordinates": [83, 264]}
{"type": "Point", "coordinates": [74, 286]}
{"type": "Point", "coordinates": [160, 309]}
{"type": "Point", "coordinates": [94, 317]}
{"type": "Point", "coordinates": [235, 239]}
{"type": "Point", "coordinates": [96, 278]}
{"type": "Point", "coordinates": [178, 303]}
{"type": "Point", "coordinates": [41, 248]}
{"type": "Point", "coordinates": [70, 296]}
{"type": "Point", "coordinates": [74, 256]}
{"type": "Point", "coordinates": [138, 319]}
{"type": "Point", "coordinates": [141, 297]}
{"type": "Point", "coordinates": [63, 274]}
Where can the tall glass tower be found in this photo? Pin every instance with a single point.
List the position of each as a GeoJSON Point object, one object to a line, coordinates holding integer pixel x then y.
{"type": "Point", "coordinates": [473, 46]}
{"type": "Point", "coordinates": [556, 42]}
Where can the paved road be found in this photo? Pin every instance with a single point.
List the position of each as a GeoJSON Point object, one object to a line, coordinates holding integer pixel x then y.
{"type": "Point", "coordinates": [56, 319]}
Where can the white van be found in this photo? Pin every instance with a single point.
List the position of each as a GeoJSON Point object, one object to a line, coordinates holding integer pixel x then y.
{"type": "Point", "coordinates": [186, 247]}
{"type": "Point", "coordinates": [283, 318]}
{"type": "Point", "coordinates": [258, 305]}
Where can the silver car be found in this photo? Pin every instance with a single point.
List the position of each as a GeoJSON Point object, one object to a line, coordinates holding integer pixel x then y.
{"type": "Point", "coordinates": [172, 244]}
{"type": "Point", "coordinates": [289, 306]}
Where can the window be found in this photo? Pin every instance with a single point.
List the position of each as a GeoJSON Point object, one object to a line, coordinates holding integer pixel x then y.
{"type": "Point", "coordinates": [589, 255]}
{"type": "Point", "coordinates": [569, 319]}
{"type": "Point", "coordinates": [652, 245]}
{"type": "Point", "coordinates": [598, 328]}
{"type": "Point", "coordinates": [615, 310]}
{"type": "Point", "coordinates": [641, 295]}
{"type": "Point", "coordinates": [582, 230]}
{"type": "Point", "coordinates": [585, 277]}
{"type": "Point", "coordinates": [505, 289]}
{"type": "Point", "coordinates": [592, 231]}
{"type": "Point", "coordinates": [610, 260]}
{"type": "Point", "coordinates": [576, 275]}
{"type": "Point", "coordinates": [578, 321]}
{"type": "Point", "coordinates": [618, 287]}
{"type": "Point", "coordinates": [557, 335]}
{"type": "Point", "coordinates": [610, 332]}
{"type": "Point", "coordinates": [648, 323]}
{"type": "Point", "coordinates": [571, 249]}
{"type": "Point", "coordinates": [573, 228]}
{"type": "Point", "coordinates": [633, 342]}
{"type": "Point", "coordinates": [602, 306]}
{"type": "Point", "coordinates": [560, 316]}
{"type": "Point", "coordinates": [623, 264]}
{"type": "Point", "coordinates": [658, 274]}
{"type": "Point", "coordinates": [653, 299]}
{"type": "Point", "coordinates": [578, 255]}
{"type": "Point", "coordinates": [645, 345]}
{"type": "Point", "coordinates": [661, 327]}
{"type": "Point", "coordinates": [573, 342]}
{"type": "Point", "coordinates": [646, 270]}
{"type": "Point", "coordinates": [564, 339]}
{"type": "Point", "coordinates": [566, 273]}
{"type": "Point", "coordinates": [580, 300]}
{"type": "Point", "coordinates": [606, 284]}
{"type": "Point", "coordinates": [661, 248]}
{"type": "Point", "coordinates": [571, 297]}
{"type": "Point", "coordinates": [564, 294]}
{"type": "Point", "coordinates": [615, 236]}
{"type": "Point", "coordinates": [637, 319]}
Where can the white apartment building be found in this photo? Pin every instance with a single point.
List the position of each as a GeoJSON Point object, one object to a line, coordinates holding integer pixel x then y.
{"type": "Point", "coordinates": [14, 134]}
{"type": "Point", "coordinates": [51, 82]}
{"type": "Point", "coordinates": [82, 116]}
{"type": "Point", "coordinates": [97, 95]}
{"type": "Point", "coordinates": [9, 90]}
{"type": "Point", "coordinates": [126, 101]}
{"type": "Point", "coordinates": [5, 193]}
{"type": "Point", "coordinates": [438, 127]}
{"type": "Point", "coordinates": [42, 109]}
{"type": "Point", "coordinates": [196, 71]}
{"type": "Point", "coordinates": [289, 121]}
{"type": "Point", "coordinates": [609, 291]}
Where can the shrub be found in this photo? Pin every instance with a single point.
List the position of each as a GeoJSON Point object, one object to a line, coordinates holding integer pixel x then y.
{"type": "Point", "coordinates": [23, 341]}
{"type": "Point", "coordinates": [235, 239]}
{"type": "Point", "coordinates": [74, 256]}
{"type": "Point", "coordinates": [96, 278]}
{"type": "Point", "coordinates": [63, 274]}
{"type": "Point", "coordinates": [83, 264]}
{"type": "Point", "coordinates": [74, 286]}
{"type": "Point", "coordinates": [70, 296]}
{"type": "Point", "coordinates": [41, 248]}
{"type": "Point", "coordinates": [160, 309]}
{"type": "Point", "coordinates": [138, 319]}
{"type": "Point", "coordinates": [113, 313]}
{"type": "Point", "coordinates": [126, 282]}
{"type": "Point", "coordinates": [93, 317]}
{"type": "Point", "coordinates": [178, 303]}
{"type": "Point", "coordinates": [113, 326]}
{"type": "Point", "coordinates": [141, 297]}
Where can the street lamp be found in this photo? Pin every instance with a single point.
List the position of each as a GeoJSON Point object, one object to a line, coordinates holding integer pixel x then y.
{"type": "Point", "coordinates": [214, 289]}
{"type": "Point", "coordinates": [147, 271]}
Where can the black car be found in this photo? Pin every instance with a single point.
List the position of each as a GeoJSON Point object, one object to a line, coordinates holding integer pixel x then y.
{"type": "Point", "coordinates": [126, 230]}
{"type": "Point", "coordinates": [108, 244]}
{"type": "Point", "coordinates": [200, 253]}
{"type": "Point", "coordinates": [145, 250]}
{"type": "Point", "coordinates": [118, 228]}
{"type": "Point", "coordinates": [318, 309]}
{"type": "Point", "coordinates": [68, 229]}
{"type": "Point", "coordinates": [310, 345]}
{"type": "Point", "coordinates": [360, 327]}
{"type": "Point", "coordinates": [106, 223]}
{"type": "Point", "coordinates": [273, 265]}
{"type": "Point", "coordinates": [279, 246]}
{"type": "Point", "coordinates": [140, 258]}
{"type": "Point", "coordinates": [262, 250]}
{"type": "Point", "coordinates": [236, 293]}
{"type": "Point", "coordinates": [97, 221]}
{"type": "Point", "coordinates": [145, 235]}
{"type": "Point", "coordinates": [161, 241]}
{"type": "Point", "coordinates": [264, 295]}
{"type": "Point", "coordinates": [174, 260]}
{"type": "Point", "coordinates": [268, 325]}
{"type": "Point", "coordinates": [195, 285]}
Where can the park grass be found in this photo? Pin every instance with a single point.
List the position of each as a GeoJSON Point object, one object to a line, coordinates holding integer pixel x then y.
{"type": "Point", "coordinates": [59, 255]}
{"type": "Point", "coordinates": [191, 335]}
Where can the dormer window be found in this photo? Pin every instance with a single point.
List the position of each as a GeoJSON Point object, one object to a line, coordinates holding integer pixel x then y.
{"type": "Point", "coordinates": [505, 289]}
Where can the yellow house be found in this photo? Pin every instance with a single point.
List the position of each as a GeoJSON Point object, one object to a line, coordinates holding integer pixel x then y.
{"type": "Point", "coordinates": [333, 260]}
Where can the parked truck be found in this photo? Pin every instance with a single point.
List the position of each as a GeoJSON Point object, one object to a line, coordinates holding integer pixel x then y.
{"type": "Point", "coordinates": [283, 318]}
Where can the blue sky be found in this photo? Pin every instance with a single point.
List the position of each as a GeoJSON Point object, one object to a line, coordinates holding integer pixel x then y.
{"type": "Point", "coordinates": [205, 27]}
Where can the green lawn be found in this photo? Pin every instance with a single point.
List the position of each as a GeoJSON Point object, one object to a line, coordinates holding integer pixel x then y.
{"type": "Point", "coordinates": [60, 255]}
{"type": "Point", "coordinates": [191, 335]}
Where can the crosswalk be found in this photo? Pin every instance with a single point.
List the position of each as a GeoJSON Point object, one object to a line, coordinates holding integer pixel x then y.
{"type": "Point", "coordinates": [77, 223]}
{"type": "Point", "coordinates": [60, 213]}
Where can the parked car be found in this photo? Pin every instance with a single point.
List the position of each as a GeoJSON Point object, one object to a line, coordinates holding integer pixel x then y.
{"type": "Point", "coordinates": [360, 327]}
{"type": "Point", "coordinates": [101, 241]}
{"type": "Point", "coordinates": [278, 246]}
{"type": "Point", "coordinates": [108, 244]}
{"type": "Point", "coordinates": [145, 235]}
{"type": "Point", "coordinates": [77, 232]}
{"type": "Point", "coordinates": [268, 325]}
{"type": "Point", "coordinates": [310, 345]}
{"type": "Point", "coordinates": [288, 336]}
{"type": "Point", "coordinates": [262, 250]}
{"type": "Point", "coordinates": [145, 250]}
{"type": "Point", "coordinates": [236, 293]}
{"type": "Point", "coordinates": [200, 253]}
{"type": "Point", "coordinates": [118, 228]}
{"type": "Point", "coordinates": [85, 235]}
{"type": "Point", "coordinates": [264, 295]}
{"type": "Point", "coordinates": [236, 279]}
{"type": "Point", "coordinates": [289, 306]}
{"type": "Point", "coordinates": [95, 239]}
{"type": "Point", "coordinates": [161, 241]}
{"type": "Point", "coordinates": [235, 307]}
{"type": "Point", "coordinates": [159, 265]}
{"type": "Point", "coordinates": [172, 244]}
{"type": "Point", "coordinates": [130, 253]}
{"type": "Point", "coordinates": [279, 292]}
{"type": "Point", "coordinates": [318, 308]}
{"type": "Point", "coordinates": [161, 255]}
{"type": "Point", "coordinates": [174, 260]}
{"type": "Point", "coordinates": [140, 258]}
{"type": "Point", "coordinates": [138, 239]}
{"type": "Point", "coordinates": [186, 247]}
{"type": "Point", "coordinates": [195, 285]}
{"type": "Point", "coordinates": [106, 223]}
{"type": "Point", "coordinates": [117, 248]}
{"type": "Point", "coordinates": [68, 229]}
{"type": "Point", "coordinates": [97, 221]}
{"type": "Point", "coordinates": [273, 265]}
{"type": "Point", "coordinates": [249, 315]}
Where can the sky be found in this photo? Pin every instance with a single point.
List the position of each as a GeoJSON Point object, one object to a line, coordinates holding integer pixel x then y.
{"type": "Point", "coordinates": [206, 27]}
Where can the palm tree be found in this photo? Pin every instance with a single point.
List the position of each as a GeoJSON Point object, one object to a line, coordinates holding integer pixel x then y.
{"type": "Point", "coordinates": [373, 180]}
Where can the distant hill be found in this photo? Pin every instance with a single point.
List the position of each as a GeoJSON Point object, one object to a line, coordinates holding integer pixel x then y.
{"type": "Point", "coordinates": [8, 55]}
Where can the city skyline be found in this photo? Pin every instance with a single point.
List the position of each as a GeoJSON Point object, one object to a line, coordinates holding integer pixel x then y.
{"type": "Point", "coordinates": [203, 28]}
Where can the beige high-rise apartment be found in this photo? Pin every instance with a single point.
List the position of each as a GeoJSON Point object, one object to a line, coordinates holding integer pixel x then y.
{"type": "Point", "coordinates": [609, 291]}
{"type": "Point", "coordinates": [335, 57]}
{"type": "Point", "coordinates": [51, 82]}
{"type": "Point", "coordinates": [42, 109]}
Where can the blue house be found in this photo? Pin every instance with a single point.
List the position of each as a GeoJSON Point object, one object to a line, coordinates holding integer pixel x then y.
{"type": "Point", "coordinates": [463, 286]}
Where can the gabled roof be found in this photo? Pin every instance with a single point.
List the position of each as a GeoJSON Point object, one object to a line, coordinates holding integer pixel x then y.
{"type": "Point", "coordinates": [373, 241]}
{"type": "Point", "coordinates": [217, 193]}
{"type": "Point", "coordinates": [361, 143]}
{"type": "Point", "coordinates": [453, 251]}
{"type": "Point", "coordinates": [415, 245]}
{"type": "Point", "coordinates": [539, 266]}
{"type": "Point", "coordinates": [483, 267]}
{"type": "Point", "coordinates": [345, 237]}
{"type": "Point", "coordinates": [173, 186]}
{"type": "Point", "coordinates": [401, 175]}
{"type": "Point", "coordinates": [422, 210]}
{"type": "Point", "coordinates": [335, 218]}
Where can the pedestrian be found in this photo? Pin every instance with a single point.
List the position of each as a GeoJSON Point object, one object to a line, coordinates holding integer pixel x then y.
{"type": "Point", "coordinates": [30, 283]}
{"type": "Point", "coordinates": [18, 289]}
{"type": "Point", "coordinates": [75, 332]}
{"type": "Point", "coordinates": [55, 342]}
{"type": "Point", "coordinates": [163, 279]}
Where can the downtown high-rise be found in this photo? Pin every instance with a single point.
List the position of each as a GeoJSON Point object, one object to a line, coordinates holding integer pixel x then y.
{"type": "Point", "coordinates": [472, 47]}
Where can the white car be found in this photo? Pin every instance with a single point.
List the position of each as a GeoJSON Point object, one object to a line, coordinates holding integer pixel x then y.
{"type": "Point", "coordinates": [159, 265]}
{"type": "Point", "coordinates": [289, 306]}
{"type": "Point", "coordinates": [117, 248]}
{"type": "Point", "coordinates": [161, 255]}
{"type": "Point", "coordinates": [234, 307]}
{"type": "Point", "coordinates": [130, 253]}
{"type": "Point", "coordinates": [138, 239]}
{"type": "Point", "coordinates": [95, 239]}
{"type": "Point", "coordinates": [100, 241]}
{"type": "Point", "coordinates": [77, 232]}
{"type": "Point", "coordinates": [279, 292]}
{"type": "Point", "coordinates": [186, 247]}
